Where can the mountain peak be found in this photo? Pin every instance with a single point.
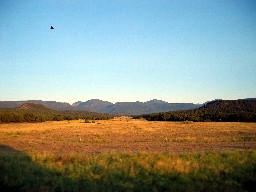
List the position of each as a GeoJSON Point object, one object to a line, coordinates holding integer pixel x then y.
{"type": "Point", "coordinates": [153, 101]}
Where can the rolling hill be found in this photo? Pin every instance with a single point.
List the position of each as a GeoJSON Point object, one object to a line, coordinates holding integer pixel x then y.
{"type": "Point", "coordinates": [33, 108]}
{"type": "Point", "coordinates": [49, 104]}
{"type": "Point", "coordinates": [30, 112]}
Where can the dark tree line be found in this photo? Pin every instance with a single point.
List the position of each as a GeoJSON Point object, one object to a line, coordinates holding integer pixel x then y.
{"type": "Point", "coordinates": [227, 111]}
{"type": "Point", "coordinates": [15, 117]}
{"type": "Point", "coordinates": [41, 114]}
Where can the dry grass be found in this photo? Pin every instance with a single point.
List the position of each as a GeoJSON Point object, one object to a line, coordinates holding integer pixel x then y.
{"type": "Point", "coordinates": [127, 136]}
{"type": "Point", "coordinates": [127, 155]}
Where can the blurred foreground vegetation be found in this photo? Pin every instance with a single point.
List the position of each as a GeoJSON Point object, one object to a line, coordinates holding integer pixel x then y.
{"type": "Point", "coordinates": [210, 171]}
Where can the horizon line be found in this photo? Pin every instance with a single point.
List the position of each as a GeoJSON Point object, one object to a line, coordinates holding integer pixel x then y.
{"type": "Point", "coordinates": [71, 103]}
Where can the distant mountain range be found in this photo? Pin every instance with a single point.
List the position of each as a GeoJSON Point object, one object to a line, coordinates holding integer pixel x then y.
{"type": "Point", "coordinates": [96, 105]}
{"type": "Point", "coordinates": [49, 104]}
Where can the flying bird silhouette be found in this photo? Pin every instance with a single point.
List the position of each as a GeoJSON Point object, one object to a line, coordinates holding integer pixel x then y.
{"type": "Point", "coordinates": [51, 27]}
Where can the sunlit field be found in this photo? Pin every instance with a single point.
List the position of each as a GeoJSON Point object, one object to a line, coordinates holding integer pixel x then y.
{"type": "Point", "coordinates": [124, 154]}
{"type": "Point", "coordinates": [127, 136]}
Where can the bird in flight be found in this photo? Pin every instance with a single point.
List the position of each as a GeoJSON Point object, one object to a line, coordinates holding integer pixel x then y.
{"type": "Point", "coordinates": [51, 27]}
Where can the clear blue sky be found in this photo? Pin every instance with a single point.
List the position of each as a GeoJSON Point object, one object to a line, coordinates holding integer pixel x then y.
{"type": "Point", "coordinates": [125, 50]}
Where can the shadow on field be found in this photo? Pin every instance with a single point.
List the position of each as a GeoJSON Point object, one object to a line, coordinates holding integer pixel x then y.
{"type": "Point", "coordinates": [220, 171]}
{"type": "Point", "coordinates": [7, 150]}
{"type": "Point", "coordinates": [18, 172]}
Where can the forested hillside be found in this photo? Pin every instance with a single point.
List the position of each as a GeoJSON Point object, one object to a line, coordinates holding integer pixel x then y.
{"type": "Point", "coordinates": [219, 110]}
{"type": "Point", "coordinates": [38, 113]}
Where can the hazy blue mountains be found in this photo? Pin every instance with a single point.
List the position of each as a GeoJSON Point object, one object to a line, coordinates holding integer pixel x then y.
{"type": "Point", "coordinates": [96, 105]}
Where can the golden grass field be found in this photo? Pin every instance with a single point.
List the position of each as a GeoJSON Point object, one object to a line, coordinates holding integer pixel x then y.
{"type": "Point", "coordinates": [125, 135]}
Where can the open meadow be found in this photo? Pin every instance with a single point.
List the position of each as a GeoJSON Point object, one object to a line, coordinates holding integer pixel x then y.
{"type": "Point", "coordinates": [124, 154]}
{"type": "Point", "coordinates": [127, 136]}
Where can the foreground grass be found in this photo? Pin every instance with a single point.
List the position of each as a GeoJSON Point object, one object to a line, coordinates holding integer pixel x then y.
{"type": "Point", "coordinates": [212, 171]}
